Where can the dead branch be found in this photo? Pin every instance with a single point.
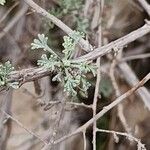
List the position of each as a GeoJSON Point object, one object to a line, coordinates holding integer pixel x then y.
{"type": "Point", "coordinates": [145, 5]}
{"type": "Point", "coordinates": [98, 52]}
{"type": "Point", "coordinates": [119, 44]}
{"type": "Point", "coordinates": [98, 20]}
{"type": "Point", "coordinates": [131, 78]}
{"type": "Point", "coordinates": [134, 57]}
{"type": "Point", "coordinates": [84, 44]}
{"type": "Point", "coordinates": [130, 137]}
{"type": "Point", "coordinates": [106, 109]}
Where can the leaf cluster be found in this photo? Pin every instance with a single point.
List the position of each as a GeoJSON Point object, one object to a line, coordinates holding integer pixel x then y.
{"type": "Point", "coordinates": [5, 70]}
{"type": "Point", "coordinates": [71, 73]}
{"type": "Point", "coordinates": [2, 2]}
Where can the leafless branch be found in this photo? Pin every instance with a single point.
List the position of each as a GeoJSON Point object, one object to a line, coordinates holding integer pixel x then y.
{"type": "Point", "coordinates": [97, 20]}
{"type": "Point", "coordinates": [145, 5]}
{"type": "Point", "coordinates": [84, 139]}
{"type": "Point", "coordinates": [131, 78]}
{"type": "Point", "coordinates": [134, 57]}
{"type": "Point", "coordinates": [117, 91]}
{"type": "Point", "coordinates": [5, 105]}
{"type": "Point", "coordinates": [74, 104]}
{"type": "Point", "coordinates": [98, 52]}
{"type": "Point", "coordinates": [130, 137]}
{"type": "Point", "coordinates": [119, 43]}
{"type": "Point", "coordinates": [22, 126]}
{"type": "Point", "coordinates": [106, 109]}
{"type": "Point", "coordinates": [84, 44]}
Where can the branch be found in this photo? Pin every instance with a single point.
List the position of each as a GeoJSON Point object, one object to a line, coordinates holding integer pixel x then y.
{"type": "Point", "coordinates": [119, 43]}
{"type": "Point", "coordinates": [22, 126]}
{"type": "Point", "coordinates": [84, 139]}
{"type": "Point", "coordinates": [27, 75]}
{"type": "Point", "coordinates": [106, 109]}
{"type": "Point", "coordinates": [98, 52]}
{"type": "Point", "coordinates": [130, 137]}
{"type": "Point", "coordinates": [132, 79]}
{"type": "Point", "coordinates": [145, 5]}
{"type": "Point", "coordinates": [97, 20]}
{"type": "Point", "coordinates": [134, 57]}
{"type": "Point", "coordinates": [84, 44]}
{"type": "Point", "coordinates": [118, 92]}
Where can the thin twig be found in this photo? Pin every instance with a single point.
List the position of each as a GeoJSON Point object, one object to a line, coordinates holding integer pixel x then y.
{"type": "Point", "coordinates": [98, 9]}
{"type": "Point", "coordinates": [22, 126]}
{"type": "Point", "coordinates": [6, 106]}
{"type": "Point", "coordinates": [87, 6]}
{"type": "Point", "coordinates": [84, 44]}
{"type": "Point", "coordinates": [56, 126]}
{"type": "Point", "coordinates": [84, 139]}
{"type": "Point", "coordinates": [129, 136]}
{"type": "Point", "coordinates": [117, 91]}
{"type": "Point", "coordinates": [106, 109]}
{"type": "Point", "coordinates": [134, 57]}
{"type": "Point", "coordinates": [79, 104]}
{"type": "Point", "coordinates": [119, 43]}
{"type": "Point", "coordinates": [98, 52]}
{"type": "Point", "coordinates": [145, 5]}
{"type": "Point", "coordinates": [132, 79]}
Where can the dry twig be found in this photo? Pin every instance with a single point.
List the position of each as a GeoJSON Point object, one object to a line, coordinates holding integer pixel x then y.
{"type": "Point", "coordinates": [145, 5]}
{"type": "Point", "coordinates": [98, 20]}
{"type": "Point", "coordinates": [130, 137]}
{"type": "Point", "coordinates": [22, 126]}
{"type": "Point", "coordinates": [131, 78]}
{"type": "Point", "coordinates": [106, 109]}
{"type": "Point", "coordinates": [134, 57]}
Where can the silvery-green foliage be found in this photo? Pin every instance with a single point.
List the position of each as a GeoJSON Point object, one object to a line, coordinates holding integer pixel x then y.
{"type": "Point", "coordinates": [76, 36]}
{"type": "Point", "coordinates": [72, 73]}
{"type": "Point", "coordinates": [71, 82]}
{"type": "Point", "coordinates": [41, 42]}
{"type": "Point", "coordinates": [2, 2]}
{"type": "Point", "coordinates": [69, 46]}
{"type": "Point", "coordinates": [49, 63]}
{"type": "Point", "coordinates": [5, 70]}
